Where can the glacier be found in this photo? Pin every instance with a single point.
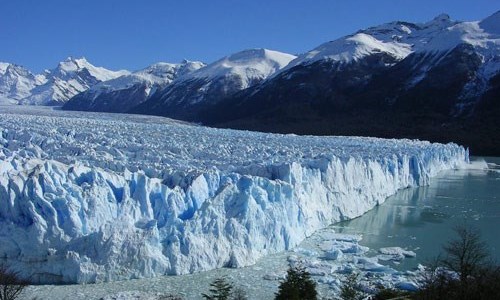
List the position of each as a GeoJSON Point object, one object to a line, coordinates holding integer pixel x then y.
{"type": "Point", "coordinates": [92, 197]}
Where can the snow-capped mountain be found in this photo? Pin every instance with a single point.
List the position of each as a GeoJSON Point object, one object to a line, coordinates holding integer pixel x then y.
{"type": "Point", "coordinates": [190, 93]}
{"type": "Point", "coordinates": [70, 77]}
{"type": "Point", "coordinates": [127, 91]}
{"type": "Point", "coordinates": [396, 39]}
{"type": "Point", "coordinates": [398, 79]}
{"type": "Point", "coordinates": [16, 83]}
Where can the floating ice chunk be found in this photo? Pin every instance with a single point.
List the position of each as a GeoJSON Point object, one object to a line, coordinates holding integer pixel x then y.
{"type": "Point", "coordinates": [397, 252]}
{"type": "Point", "coordinates": [395, 257]}
{"type": "Point", "coordinates": [345, 247]}
{"type": "Point", "coordinates": [319, 267]}
{"type": "Point", "coordinates": [306, 252]}
{"type": "Point", "coordinates": [328, 245]}
{"type": "Point", "coordinates": [371, 264]}
{"type": "Point", "coordinates": [341, 237]}
{"type": "Point", "coordinates": [334, 254]}
{"type": "Point", "coordinates": [354, 248]}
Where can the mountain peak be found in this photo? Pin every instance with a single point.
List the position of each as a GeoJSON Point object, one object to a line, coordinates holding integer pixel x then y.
{"type": "Point", "coordinates": [247, 54]}
{"type": "Point", "coordinates": [442, 18]}
{"type": "Point", "coordinates": [82, 61]}
{"type": "Point", "coordinates": [3, 67]}
{"type": "Point", "coordinates": [250, 55]}
{"type": "Point", "coordinates": [71, 64]}
{"type": "Point", "coordinates": [76, 59]}
{"type": "Point", "coordinates": [440, 21]}
{"type": "Point", "coordinates": [492, 23]}
{"type": "Point", "coordinates": [247, 63]}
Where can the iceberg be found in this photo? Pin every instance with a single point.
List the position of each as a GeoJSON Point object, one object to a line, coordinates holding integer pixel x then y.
{"type": "Point", "coordinates": [395, 253]}
{"type": "Point", "coordinates": [92, 197]}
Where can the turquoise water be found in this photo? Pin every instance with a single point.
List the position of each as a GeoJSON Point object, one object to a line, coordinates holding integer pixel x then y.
{"type": "Point", "coordinates": [422, 219]}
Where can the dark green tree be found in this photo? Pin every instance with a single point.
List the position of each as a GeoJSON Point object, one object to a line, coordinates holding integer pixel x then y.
{"type": "Point", "coordinates": [350, 288]}
{"type": "Point", "coordinates": [297, 285]}
{"type": "Point", "coordinates": [165, 297]}
{"type": "Point", "coordinates": [239, 294]}
{"type": "Point", "coordinates": [388, 293]}
{"type": "Point", "coordinates": [220, 290]}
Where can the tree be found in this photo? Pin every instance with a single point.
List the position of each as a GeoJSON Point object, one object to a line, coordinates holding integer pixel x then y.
{"type": "Point", "coordinates": [239, 294]}
{"type": "Point", "coordinates": [297, 285]}
{"type": "Point", "coordinates": [465, 272]}
{"type": "Point", "coordinates": [11, 285]}
{"type": "Point", "coordinates": [388, 293]}
{"type": "Point", "coordinates": [467, 254]}
{"type": "Point", "coordinates": [220, 290]}
{"type": "Point", "coordinates": [350, 288]}
{"type": "Point", "coordinates": [166, 297]}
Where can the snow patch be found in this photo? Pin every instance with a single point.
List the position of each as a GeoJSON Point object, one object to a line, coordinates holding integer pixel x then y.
{"type": "Point", "coordinates": [248, 65]}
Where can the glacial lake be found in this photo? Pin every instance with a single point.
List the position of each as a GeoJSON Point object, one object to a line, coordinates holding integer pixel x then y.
{"type": "Point", "coordinates": [417, 219]}
{"type": "Point", "coordinates": [422, 219]}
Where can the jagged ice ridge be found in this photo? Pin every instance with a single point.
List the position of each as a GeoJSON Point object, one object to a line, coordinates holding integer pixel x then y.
{"type": "Point", "coordinates": [88, 197]}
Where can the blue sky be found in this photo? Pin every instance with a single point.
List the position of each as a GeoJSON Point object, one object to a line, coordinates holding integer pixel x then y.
{"type": "Point", "coordinates": [130, 34]}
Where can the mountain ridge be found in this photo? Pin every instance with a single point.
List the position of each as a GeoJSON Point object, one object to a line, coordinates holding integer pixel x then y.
{"type": "Point", "coordinates": [187, 96]}
{"type": "Point", "coordinates": [445, 89]}
{"type": "Point", "coordinates": [436, 80]}
{"type": "Point", "coordinates": [51, 87]}
{"type": "Point", "coordinates": [125, 92]}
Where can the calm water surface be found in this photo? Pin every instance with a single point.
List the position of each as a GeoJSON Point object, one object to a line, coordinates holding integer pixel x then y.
{"type": "Point", "coordinates": [422, 219]}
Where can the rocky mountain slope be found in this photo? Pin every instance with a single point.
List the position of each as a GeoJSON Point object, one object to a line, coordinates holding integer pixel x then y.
{"type": "Point", "coordinates": [187, 96]}
{"type": "Point", "coordinates": [438, 80]}
{"type": "Point", "coordinates": [16, 83]}
{"type": "Point", "coordinates": [53, 87]}
{"type": "Point", "coordinates": [125, 92]}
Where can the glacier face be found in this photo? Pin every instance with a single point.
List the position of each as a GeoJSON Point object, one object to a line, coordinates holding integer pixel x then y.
{"type": "Point", "coordinates": [88, 197]}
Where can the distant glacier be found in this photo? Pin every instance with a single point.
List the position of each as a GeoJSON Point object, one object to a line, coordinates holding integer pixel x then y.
{"type": "Point", "coordinates": [90, 197]}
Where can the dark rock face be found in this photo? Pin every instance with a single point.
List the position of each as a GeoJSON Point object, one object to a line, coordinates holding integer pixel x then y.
{"type": "Point", "coordinates": [112, 101]}
{"type": "Point", "coordinates": [187, 100]}
{"type": "Point", "coordinates": [423, 96]}
{"type": "Point", "coordinates": [128, 91]}
{"type": "Point", "coordinates": [438, 81]}
{"type": "Point", "coordinates": [189, 96]}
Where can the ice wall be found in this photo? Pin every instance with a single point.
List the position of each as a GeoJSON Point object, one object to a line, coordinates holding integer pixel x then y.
{"type": "Point", "coordinates": [71, 222]}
